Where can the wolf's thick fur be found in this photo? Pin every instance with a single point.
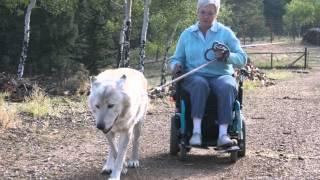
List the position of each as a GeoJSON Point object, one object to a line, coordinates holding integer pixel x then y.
{"type": "Point", "coordinates": [118, 100]}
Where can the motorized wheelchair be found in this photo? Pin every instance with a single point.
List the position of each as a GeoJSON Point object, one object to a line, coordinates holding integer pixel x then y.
{"type": "Point", "coordinates": [182, 124]}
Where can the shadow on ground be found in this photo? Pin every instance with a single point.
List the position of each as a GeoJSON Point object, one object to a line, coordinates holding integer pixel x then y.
{"type": "Point", "coordinates": [165, 166]}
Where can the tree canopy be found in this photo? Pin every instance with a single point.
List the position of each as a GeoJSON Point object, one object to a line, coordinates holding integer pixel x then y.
{"type": "Point", "coordinates": [301, 14]}
{"type": "Point", "coordinates": [67, 33]}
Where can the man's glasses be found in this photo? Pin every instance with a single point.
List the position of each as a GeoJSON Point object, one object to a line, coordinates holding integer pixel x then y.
{"type": "Point", "coordinates": [204, 13]}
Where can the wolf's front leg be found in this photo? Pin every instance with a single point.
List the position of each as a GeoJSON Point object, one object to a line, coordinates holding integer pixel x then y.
{"type": "Point", "coordinates": [134, 159]}
{"type": "Point", "coordinates": [109, 164]}
{"type": "Point", "coordinates": [122, 150]}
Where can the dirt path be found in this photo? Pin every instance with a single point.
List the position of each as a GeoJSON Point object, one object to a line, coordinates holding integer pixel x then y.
{"type": "Point", "coordinates": [282, 142]}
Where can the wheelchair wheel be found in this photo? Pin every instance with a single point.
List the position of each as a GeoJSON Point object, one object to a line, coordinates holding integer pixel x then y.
{"type": "Point", "coordinates": [182, 153]}
{"type": "Point", "coordinates": [242, 142]}
{"type": "Point", "coordinates": [234, 156]}
{"type": "Point", "coordinates": [174, 137]}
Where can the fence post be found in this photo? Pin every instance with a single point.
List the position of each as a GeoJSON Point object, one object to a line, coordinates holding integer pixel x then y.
{"type": "Point", "coordinates": [305, 57]}
{"type": "Point", "coordinates": [271, 60]}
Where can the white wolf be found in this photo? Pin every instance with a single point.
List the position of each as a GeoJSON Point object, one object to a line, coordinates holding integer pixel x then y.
{"type": "Point", "coordinates": [118, 100]}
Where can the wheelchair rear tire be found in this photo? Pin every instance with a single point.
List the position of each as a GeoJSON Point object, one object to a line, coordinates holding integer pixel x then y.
{"type": "Point", "coordinates": [242, 142]}
{"type": "Point", "coordinates": [174, 137]}
{"type": "Point", "coordinates": [234, 156]}
{"type": "Point", "coordinates": [182, 153]}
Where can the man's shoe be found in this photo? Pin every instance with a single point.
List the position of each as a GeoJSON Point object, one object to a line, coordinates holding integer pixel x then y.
{"type": "Point", "coordinates": [225, 141]}
{"type": "Point", "coordinates": [195, 140]}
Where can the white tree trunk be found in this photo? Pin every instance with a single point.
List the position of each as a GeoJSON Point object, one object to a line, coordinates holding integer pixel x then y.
{"type": "Point", "coordinates": [165, 58]}
{"type": "Point", "coordinates": [25, 42]}
{"type": "Point", "coordinates": [143, 38]}
{"type": "Point", "coordinates": [125, 35]}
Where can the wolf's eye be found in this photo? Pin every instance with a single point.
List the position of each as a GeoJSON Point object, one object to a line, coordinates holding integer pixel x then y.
{"type": "Point", "coordinates": [97, 106]}
{"type": "Point", "coordinates": [110, 106]}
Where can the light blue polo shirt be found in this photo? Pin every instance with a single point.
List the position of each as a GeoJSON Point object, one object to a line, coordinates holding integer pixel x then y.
{"type": "Point", "coordinates": [192, 46]}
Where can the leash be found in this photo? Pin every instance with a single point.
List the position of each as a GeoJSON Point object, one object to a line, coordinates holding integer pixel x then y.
{"type": "Point", "coordinates": [215, 46]}
{"type": "Point", "coordinates": [159, 88]}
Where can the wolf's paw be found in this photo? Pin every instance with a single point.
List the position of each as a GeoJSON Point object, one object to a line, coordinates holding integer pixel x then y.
{"type": "Point", "coordinates": [114, 178]}
{"type": "Point", "coordinates": [133, 163]}
{"type": "Point", "coordinates": [115, 175]}
{"type": "Point", "coordinates": [106, 169]}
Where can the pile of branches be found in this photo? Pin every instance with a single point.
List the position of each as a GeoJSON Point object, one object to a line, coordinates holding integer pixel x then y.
{"type": "Point", "coordinates": [253, 73]}
{"type": "Point", "coordinates": [17, 89]}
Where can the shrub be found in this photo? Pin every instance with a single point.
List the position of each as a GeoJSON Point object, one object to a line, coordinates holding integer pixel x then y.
{"type": "Point", "coordinates": [38, 104]}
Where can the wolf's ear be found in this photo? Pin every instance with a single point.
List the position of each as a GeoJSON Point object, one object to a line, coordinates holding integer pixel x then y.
{"type": "Point", "coordinates": [124, 77]}
{"type": "Point", "coordinates": [93, 81]}
{"type": "Point", "coordinates": [121, 81]}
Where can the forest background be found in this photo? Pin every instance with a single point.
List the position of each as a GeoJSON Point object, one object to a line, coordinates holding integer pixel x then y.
{"type": "Point", "coordinates": [70, 36]}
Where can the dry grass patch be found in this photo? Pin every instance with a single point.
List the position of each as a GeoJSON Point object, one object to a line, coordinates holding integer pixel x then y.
{"type": "Point", "coordinates": [8, 116]}
{"type": "Point", "coordinates": [38, 104]}
{"type": "Point", "coordinates": [280, 75]}
{"type": "Point", "coordinates": [252, 85]}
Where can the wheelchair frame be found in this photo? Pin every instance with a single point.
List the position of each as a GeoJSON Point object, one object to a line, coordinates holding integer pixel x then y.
{"type": "Point", "coordinates": [181, 124]}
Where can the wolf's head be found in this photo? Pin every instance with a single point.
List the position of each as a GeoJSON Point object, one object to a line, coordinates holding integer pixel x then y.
{"type": "Point", "coordinates": [107, 101]}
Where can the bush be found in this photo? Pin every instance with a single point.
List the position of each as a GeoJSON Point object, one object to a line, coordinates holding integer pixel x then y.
{"type": "Point", "coordinates": [37, 104]}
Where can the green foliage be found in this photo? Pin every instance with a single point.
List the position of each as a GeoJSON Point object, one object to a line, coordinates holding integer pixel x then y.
{"type": "Point", "coordinates": [57, 7]}
{"type": "Point", "coordinates": [226, 14]}
{"type": "Point", "coordinates": [66, 34]}
{"type": "Point", "coordinates": [301, 13]}
{"type": "Point", "coordinates": [169, 17]}
{"type": "Point", "coordinates": [14, 4]}
{"type": "Point", "coordinates": [273, 12]}
{"type": "Point", "coordinates": [274, 8]}
{"type": "Point", "coordinates": [246, 17]}
{"type": "Point", "coordinates": [11, 35]}
{"type": "Point", "coordinates": [99, 30]}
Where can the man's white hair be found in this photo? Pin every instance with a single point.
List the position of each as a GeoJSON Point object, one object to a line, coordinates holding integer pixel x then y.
{"type": "Point", "coordinates": [203, 3]}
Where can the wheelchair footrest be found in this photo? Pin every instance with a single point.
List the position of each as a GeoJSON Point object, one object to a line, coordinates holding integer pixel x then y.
{"type": "Point", "coordinates": [199, 146]}
{"type": "Point", "coordinates": [227, 150]}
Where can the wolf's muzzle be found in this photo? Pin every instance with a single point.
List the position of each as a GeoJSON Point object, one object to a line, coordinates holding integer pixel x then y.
{"type": "Point", "coordinates": [101, 126]}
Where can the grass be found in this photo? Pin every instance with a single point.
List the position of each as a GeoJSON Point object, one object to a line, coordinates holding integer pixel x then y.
{"type": "Point", "coordinates": [270, 74]}
{"type": "Point", "coordinates": [8, 115]}
{"type": "Point", "coordinates": [38, 104]}
{"type": "Point", "coordinates": [251, 85]}
{"type": "Point", "coordinates": [280, 74]}
{"type": "Point", "coordinates": [155, 81]}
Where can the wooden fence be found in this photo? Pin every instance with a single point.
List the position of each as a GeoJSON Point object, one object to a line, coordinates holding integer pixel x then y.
{"type": "Point", "coordinates": [302, 55]}
{"type": "Point", "coordinates": [154, 68]}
